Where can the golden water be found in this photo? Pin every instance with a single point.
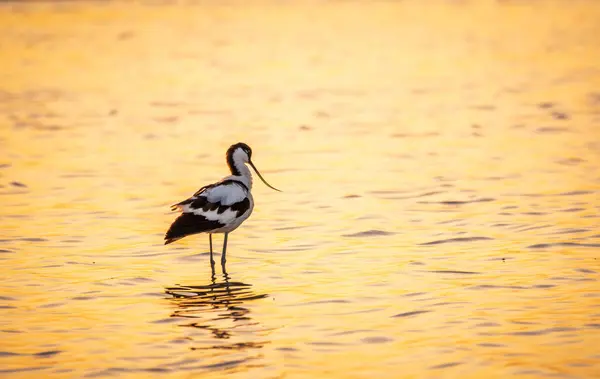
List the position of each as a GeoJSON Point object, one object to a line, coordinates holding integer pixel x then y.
{"type": "Point", "coordinates": [440, 163]}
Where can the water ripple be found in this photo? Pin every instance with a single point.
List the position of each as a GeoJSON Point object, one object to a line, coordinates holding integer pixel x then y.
{"type": "Point", "coordinates": [24, 369]}
{"type": "Point", "coordinates": [459, 202]}
{"type": "Point", "coordinates": [412, 313]}
{"type": "Point", "coordinates": [456, 239]}
{"type": "Point", "coordinates": [543, 331]}
{"type": "Point", "coordinates": [445, 365]}
{"type": "Point", "coordinates": [559, 244]}
{"type": "Point", "coordinates": [369, 233]}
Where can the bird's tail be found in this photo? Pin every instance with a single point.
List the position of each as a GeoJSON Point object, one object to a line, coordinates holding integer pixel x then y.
{"type": "Point", "coordinates": [169, 240]}
{"type": "Point", "coordinates": [187, 224]}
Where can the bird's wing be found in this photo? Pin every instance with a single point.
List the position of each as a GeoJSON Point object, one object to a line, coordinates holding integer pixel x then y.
{"type": "Point", "coordinates": [226, 192]}
{"type": "Point", "coordinates": [211, 208]}
{"type": "Point", "coordinates": [221, 196]}
{"type": "Point", "coordinates": [223, 202]}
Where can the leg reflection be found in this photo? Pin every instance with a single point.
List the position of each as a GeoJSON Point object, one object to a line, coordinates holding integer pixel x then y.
{"type": "Point", "coordinates": [205, 307]}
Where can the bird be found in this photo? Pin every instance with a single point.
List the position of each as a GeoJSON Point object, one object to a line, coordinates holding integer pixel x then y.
{"type": "Point", "coordinates": [220, 207]}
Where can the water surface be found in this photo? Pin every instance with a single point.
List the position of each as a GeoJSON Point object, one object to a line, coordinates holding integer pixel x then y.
{"type": "Point", "coordinates": [441, 177]}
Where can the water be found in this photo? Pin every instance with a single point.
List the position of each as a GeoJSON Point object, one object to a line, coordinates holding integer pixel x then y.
{"type": "Point", "coordinates": [440, 169]}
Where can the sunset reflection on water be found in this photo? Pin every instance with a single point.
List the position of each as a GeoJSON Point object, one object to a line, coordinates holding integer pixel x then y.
{"type": "Point", "coordinates": [439, 164]}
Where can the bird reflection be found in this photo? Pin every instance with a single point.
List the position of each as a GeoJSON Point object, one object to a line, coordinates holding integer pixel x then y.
{"type": "Point", "coordinates": [211, 307]}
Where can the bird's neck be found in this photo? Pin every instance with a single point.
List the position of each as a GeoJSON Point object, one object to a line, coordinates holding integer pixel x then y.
{"type": "Point", "coordinates": [240, 172]}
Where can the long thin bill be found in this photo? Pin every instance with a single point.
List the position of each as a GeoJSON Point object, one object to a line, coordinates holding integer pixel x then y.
{"type": "Point", "coordinates": [261, 178]}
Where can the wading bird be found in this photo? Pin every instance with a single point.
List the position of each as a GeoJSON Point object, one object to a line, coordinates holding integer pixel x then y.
{"type": "Point", "coordinates": [219, 207]}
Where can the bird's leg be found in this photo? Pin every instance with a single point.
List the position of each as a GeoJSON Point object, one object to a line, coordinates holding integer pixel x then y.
{"type": "Point", "coordinates": [212, 261]}
{"type": "Point", "coordinates": [212, 274]}
{"type": "Point", "coordinates": [223, 259]}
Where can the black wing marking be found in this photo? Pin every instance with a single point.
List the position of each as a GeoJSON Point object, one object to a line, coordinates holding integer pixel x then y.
{"type": "Point", "coordinates": [202, 203]}
{"type": "Point", "coordinates": [241, 207]}
{"type": "Point", "coordinates": [196, 196]}
{"type": "Point", "coordinates": [189, 223]}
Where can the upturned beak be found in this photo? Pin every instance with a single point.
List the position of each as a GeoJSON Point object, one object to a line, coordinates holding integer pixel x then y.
{"type": "Point", "coordinates": [260, 176]}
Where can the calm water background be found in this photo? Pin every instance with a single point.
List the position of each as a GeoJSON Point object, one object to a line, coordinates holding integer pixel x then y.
{"type": "Point", "coordinates": [440, 164]}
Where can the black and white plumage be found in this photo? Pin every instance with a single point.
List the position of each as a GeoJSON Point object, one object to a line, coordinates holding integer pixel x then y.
{"type": "Point", "coordinates": [220, 207]}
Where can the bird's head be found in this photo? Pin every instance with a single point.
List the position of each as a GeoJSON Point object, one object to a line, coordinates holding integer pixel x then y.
{"type": "Point", "coordinates": [240, 152]}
